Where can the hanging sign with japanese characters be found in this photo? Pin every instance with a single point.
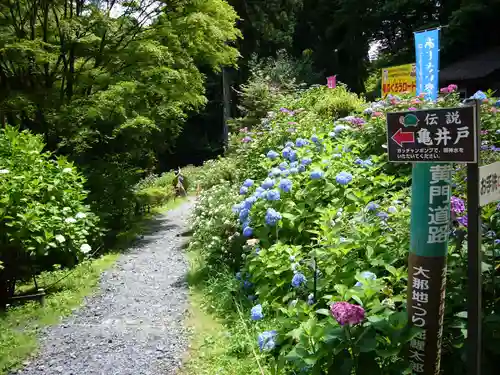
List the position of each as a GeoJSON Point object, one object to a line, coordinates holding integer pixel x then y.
{"type": "Point", "coordinates": [437, 135]}
{"type": "Point", "coordinates": [427, 63]}
{"type": "Point", "coordinates": [489, 183]}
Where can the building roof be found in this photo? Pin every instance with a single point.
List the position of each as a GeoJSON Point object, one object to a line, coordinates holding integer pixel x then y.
{"type": "Point", "coordinates": [477, 66]}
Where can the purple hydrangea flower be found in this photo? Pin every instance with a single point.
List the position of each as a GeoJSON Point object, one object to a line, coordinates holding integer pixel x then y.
{"type": "Point", "coordinates": [248, 203]}
{"type": "Point", "coordinates": [497, 242]}
{"type": "Point", "coordinates": [244, 214]}
{"type": "Point", "coordinates": [383, 215]}
{"type": "Point", "coordinates": [372, 206]}
{"type": "Point", "coordinates": [347, 313]}
{"type": "Point", "coordinates": [298, 279]}
{"type": "Point", "coordinates": [292, 156]}
{"type": "Point", "coordinates": [243, 190]}
{"type": "Point", "coordinates": [294, 170]}
{"type": "Point", "coordinates": [285, 185]}
{"type": "Point", "coordinates": [343, 178]}
{"type": "Point", "coordinates": [289, 144]}
{"type": "Point", "coordinates": [340, 128]}
{"type": "Point", "coordinates": [498, 207]}
{"type": "Point", "coordinates": [457, 205]}
{"type": "Point", "coordinates": [272, 155]}
{"type": "Point", "coordinates": [314, 138]}
{"type": "Point", "coordinates": [463, 220]}
{"type": "Point", "coordinates": [392, 210]}
{"type": "Point", "coordinates": [247, 284]}
{"type": "Point", "coordinates": [285, 173]}
{"type": "Point", "coordinates": [274, 172]}
{"type": "Point", "coordinates": [246, 139]}
{"type": "Point", "coordinates": [268, 183]}
{"type": "Point", "coordinates": [272, 216]}
{"type": "Point", "coordinates": [316, 175]}
{"type": "Point", "coordinates": [256, 312]}
{"type": "Point", "coordinates": [273, 195]}
{"type": "Point", "coordinates": [267, 340]}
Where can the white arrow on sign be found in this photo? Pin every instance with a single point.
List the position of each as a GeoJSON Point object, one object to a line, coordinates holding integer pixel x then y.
{"type": "Point", "coordinates": [489, 183]}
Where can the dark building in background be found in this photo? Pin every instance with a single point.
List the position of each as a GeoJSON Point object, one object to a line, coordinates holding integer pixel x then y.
{"type": "Point", "coordinates": [478, 72]}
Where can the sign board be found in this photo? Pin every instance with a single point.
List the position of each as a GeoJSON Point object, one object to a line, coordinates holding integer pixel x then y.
{"type": "Point", "coordinates": [399, 79]}
{"type": "Point", "coordinates": [489, 183]}
{"type": "Point", "coordinates": [331, 82]}
{"type": "Point", "coordinates": [436, 135]}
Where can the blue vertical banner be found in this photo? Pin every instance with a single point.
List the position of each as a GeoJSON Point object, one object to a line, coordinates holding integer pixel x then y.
{"type": "Point", "coordinates": [427, 54]}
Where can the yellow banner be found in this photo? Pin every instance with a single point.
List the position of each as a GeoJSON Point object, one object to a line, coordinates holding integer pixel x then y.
{"type": "Point", "coordinates": [399, 79]}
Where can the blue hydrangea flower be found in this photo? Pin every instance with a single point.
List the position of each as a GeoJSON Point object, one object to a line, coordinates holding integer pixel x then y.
{"type": "Point", "coordinates": [247, 232]}
{"type": "Point", "coordinates": [257, 250]}
{"type": "Point", "coordinates": [316, 175]}
{"type": "Point", "coordinates": [274, 172]}
{"type": "Point", "coordinates": [236, 208]}
{"type": "Point", "coordinates": [256, 312]}
{"type": "Point", "coordinates": [298, 279]}
{"type": "Point", "coordinates": [342, 239]}
{"type": "Point", "coordinates": [366, 275]}
{"type": "Point", "coordinates": [285, 173]}
{"type": "Point", "coordinates": [272, 155]}
{"type": "Point", "coordinates": [294, 170]}
{"type": "Point", "coordinates": [243, 190]}
{"type": "Point", "coordinates": [358, 161]}
{"type": "Point", "coordinates": [306, 161]}
{"type": "Point", "coordinates": [497, 242]}
{"type": "Point", "coordinates": [247, 284]}
{"type": "Point", "coordinates": [285, 185]}
{"type": "Point", "coordinates": [244, 214]}
{"type": "Point", "coordinates": [302, 168]}
{"type": "Point", "coordinates": [294, 164]}
{"type": "Point", "coordinates": [272, 216]}
{"type": "Point", "coordinates": [248, 182]}
{"type": "Point", "coordinates": [267, 340]}
{"type": "Point", "coordinates": [332, 134]}
{"type": "Point", "coordinates": [372, 206]}
{"type": "Point", "coordinates": [246, 223]}
{"type": "Point", "coordinates": [343, 178]}
{"type": "Point", "coordinates": [283, 166]}
{"type": "Point", "coordinates": [367, 163]}
{"type": "Point", "coordinates": [292, 156]}
{"type": "Point", "coordinates": [300, 142]}
{"type": "Point", "coordinates": [490, 234]}
{"type": "Point", "coordinates": [286, 152]}
{"type": "Point", "coordinates": [479, 95]}
{"type": "Point", "coordinates": [292, 258]}
{"type": "Point", "coordinates": [497, 103]}
{"type": "Point", "coordinates": [368, 111]}
{"type": "Point", "coordinates": [268, 183]}
{"type": "Point", "coordinates": [310, 299]}
{"type": "Point", "coordinates": [238, 275]}
{"type": "Point", "coordinates": [248, 203]}
{"type": "Point", "coordinates": [314, 138]}
{"type": "Point", "coordinates": [289, 144]}
{"type": "Point", "coordinates": [337, 155]}
{"type": "Point", "coordinates": [392, 210]}
{"type": "Point", "coordinates": [273, 195]}
{"type": "Point", "coordinates": [340, 128]}
{"type": "Point", "coordinates": [383, 215]}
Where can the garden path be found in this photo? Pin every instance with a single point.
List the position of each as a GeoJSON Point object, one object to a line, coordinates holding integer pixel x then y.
{"type": "Point", "coordinates": [134, 324]}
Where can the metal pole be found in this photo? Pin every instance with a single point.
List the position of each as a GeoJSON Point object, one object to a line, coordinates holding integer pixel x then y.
{"type": "Point", "coordinates": [474, 261]}
{"type": "Point", "coordinates": [225, 93]}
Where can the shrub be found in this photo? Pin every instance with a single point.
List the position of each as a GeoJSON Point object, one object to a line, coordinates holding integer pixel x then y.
{"type": "Point", "coordinates": [322, 219]}
{"type": "Point", "coordinates": [44, 220]}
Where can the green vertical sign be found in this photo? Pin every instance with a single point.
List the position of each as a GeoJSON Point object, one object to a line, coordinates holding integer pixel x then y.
{"type": "Point", "coordinates": [430, 220]}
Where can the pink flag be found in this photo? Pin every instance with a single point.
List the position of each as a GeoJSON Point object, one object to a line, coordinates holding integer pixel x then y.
{"type": "Point", "coordinates": [332, 82]}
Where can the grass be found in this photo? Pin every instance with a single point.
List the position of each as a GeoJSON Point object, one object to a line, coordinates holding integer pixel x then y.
{"type": "Point", "coordinates": [19, 326]}
{"type": "Point", "coordinates": [219, 346]}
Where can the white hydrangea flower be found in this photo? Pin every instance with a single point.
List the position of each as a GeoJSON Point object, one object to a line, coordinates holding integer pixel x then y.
{"type": "Point", "coordinates": [80, 215]}
{"type": "Point", "coordinates": [85, 248]}
{"type": "Point", "coordinates": [60, 238]}
{"type": "Point", "coordinates": [70, 220]}
{"type": "Point", "coordinates": [4, 171]}
{"type": "Point", "coordinates": [67, 170]}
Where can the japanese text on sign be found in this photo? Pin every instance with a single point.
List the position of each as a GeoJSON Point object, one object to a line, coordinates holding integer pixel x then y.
{"type": "Point", "coordinates": [489, 183]}
{"type": "Point", "coordinates": [427, 48]}
{"type": "Point", "coordinates": [447, 134]}
{"type": "Point", "coordinates": [399, 79]}
{"type": "Point", "coordinates": [439, 194]}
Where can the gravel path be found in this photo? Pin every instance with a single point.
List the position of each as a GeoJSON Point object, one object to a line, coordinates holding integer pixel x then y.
{"type": "Point", "coordinates": [133, 326]}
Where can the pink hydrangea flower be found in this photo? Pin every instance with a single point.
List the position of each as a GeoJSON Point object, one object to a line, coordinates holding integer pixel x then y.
{"type": "Point", "coordinates": [444, 90]}
{"type": "Point", "coordinates": [246, 139]}
{"type": "Point", "coordinates": [412, 109]}
{"type": "Point", "coordinates": [347, 313]}
{"type": "Point", "coordinates": [452, 88]}
{"type": "Point", "coordinates": [415, 101]}
{"type": "Point", "coordinates": [244, 130]}
{"type": "Point", "coordinates": [377, 114]}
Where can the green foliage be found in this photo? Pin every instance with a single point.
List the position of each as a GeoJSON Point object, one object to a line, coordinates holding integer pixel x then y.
{"type": "Point", "coordinates": [44, 220]}
{"type": "Point", "coordinates": [107, 87]}
{"type": "Point", "coordinates": [332, 232]}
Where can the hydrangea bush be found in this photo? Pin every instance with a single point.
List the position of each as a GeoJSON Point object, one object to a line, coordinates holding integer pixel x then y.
{"type": "Point", "coordinates": [318, 224]}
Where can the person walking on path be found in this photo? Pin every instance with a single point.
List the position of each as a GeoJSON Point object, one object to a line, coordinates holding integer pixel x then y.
{"type": "Point", "coordinates": [180, 183]}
